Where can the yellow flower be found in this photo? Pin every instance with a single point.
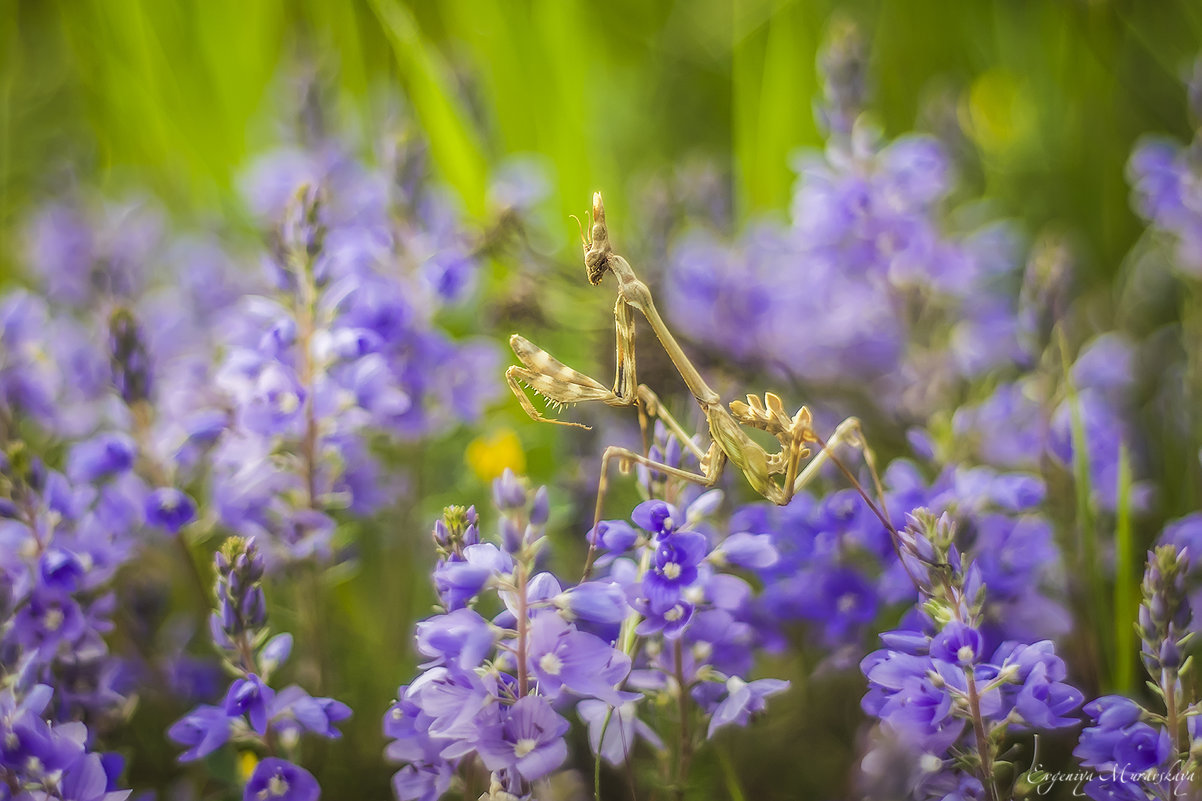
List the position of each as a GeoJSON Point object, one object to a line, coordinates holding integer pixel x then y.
{"type": "Point", "coordinates": [488, 456]}
{"type": "Point", "coordinates": [247, 762]}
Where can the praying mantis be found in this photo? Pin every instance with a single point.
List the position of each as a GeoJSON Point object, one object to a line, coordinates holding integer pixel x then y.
{"type": "Point", "coordinates": [776, 476]}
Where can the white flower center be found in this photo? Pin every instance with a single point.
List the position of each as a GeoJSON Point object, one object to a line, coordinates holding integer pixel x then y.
{"type": "Point", "coordinates": [847, 602]}
{"type": "Point", "coordinates": [287, 402]}
{"type": "Point", "coordinates": [550, 664]}
{"type": "Point", "coordinates": [672, 570]}
{"type": "Point", "coordinates": [53, 619]}
{"type": "Point", "coordinates": [675, 613]}
{"type": "Point", "coordinates": [524, 746]}
{"type": "Point", "coordinates": [929, 763]}
{"type": "Point", "coordinates": [277, 787]}
{"type": "Point", "coordinates": [667, 524]}
{"type": "Point", "coordinates": [965, 654]}
{"type": "Point", "coordinates": [33, 766]}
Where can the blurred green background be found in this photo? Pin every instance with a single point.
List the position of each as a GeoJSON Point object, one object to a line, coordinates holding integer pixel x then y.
{"type": "Point", "coordinates": [1044, 101]}
{"type": "Point", "coordinates": [177, 96]}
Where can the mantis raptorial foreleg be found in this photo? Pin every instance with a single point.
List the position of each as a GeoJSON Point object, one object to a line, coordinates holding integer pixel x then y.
{"type": "Point", "coordinates": [563, 385]}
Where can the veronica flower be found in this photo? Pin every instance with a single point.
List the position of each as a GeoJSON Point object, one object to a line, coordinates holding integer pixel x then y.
{"type": "Point", "coordinates": [612, 731]}
{"type": "Point", "coordinates": [561, 656]}
{"type": "Point", "coordinates": [252, 710]}
{"type": "Point", "coordinates": [343, 350]}
{"type": "Point", "coordinates": [277, 779]}
{"type": "Point", "coordinates": [1153, 751]}
{"type": "Point", "coordinates": [937, 687]}
{"type": "Point", "coordinates": [743, 699]}
{"type": "Point", "coordinates": [528, 739]}
{"type": "Point", "coordinates": [1164, 178]}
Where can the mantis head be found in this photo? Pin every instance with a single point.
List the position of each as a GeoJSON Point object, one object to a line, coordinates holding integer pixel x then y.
{"type": "Point", "coordinates": [596, 245]}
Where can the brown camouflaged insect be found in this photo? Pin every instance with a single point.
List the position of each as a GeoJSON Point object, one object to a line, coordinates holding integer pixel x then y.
{"type": "Point", "coordinates": [561, 385]}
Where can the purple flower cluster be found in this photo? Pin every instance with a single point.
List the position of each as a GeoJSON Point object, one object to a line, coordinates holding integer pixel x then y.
{"type": "Point", "coordinates": [669, 619]}
{"type": "Point", "coordinates": [61, 542]}
{"type": "Point", "coordinates": [253, 712]}
{"type": "Point", "coordinates": [1168, 193]}
{"type": "Point", "coordinates": [275, 388]}
{"type": "Point", "coordinates": [887, 296]}
{"type": "Point", "coordinates": [41, 759]}
{"type": "Point", "coordinates": [696, 629]}
{"type": "Point", "coordinates": [1139, 754]}
{"type": "Point", "coordinates": [342, 351]}
{"type": "Point", "coordinates": [120, 334]}
{"type": "Point", "coordinates": [839, 571]}
{"type": "Point", "coordinates": [1018, 425]}
{"type": "Point", "coordinates": [60, 545]}
{"type": "Point", "coordinates": [941, 691]}
{"type": "Point", "coordinates": [494, 687]}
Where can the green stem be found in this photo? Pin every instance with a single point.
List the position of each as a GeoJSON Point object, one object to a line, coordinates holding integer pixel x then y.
{"type": "Point", "coordinates": [684, 753]}
{"type": "Point", "coordinates": [1126, 583]}
{"type": "Point", "coordinates": [1086, 525]}
{"type": "Point", "coordinates": [730, 776]}
{"type": "Point", "coordinates": [523, 678]}
{"type": "Point", "coordinates": [978, 726]}
{"type": "Point", "coordinates": [597, 758]}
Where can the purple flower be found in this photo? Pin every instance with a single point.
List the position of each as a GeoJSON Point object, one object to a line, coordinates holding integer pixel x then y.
{"type": "Point", "coordinates": [561, 656]}
{"type": "Point", "coordinates": [958, 644]}
{"type": "Point", "coordinates": [427, 782]}
{"type": "Point", "coordinates": [656, 517]}
{"type": "Point", "coordinates": [60, 570]}
{"type": "Point", "coordinates": [1142, 748]}
{"type": "Point", "coordinates": [461, 638]}
{"type": "Point", "coordinates": [204, 730]}
{"type": "Point", "coordinates": [277, 401]}
{"type": "Point", "coordinates": [670, 618]}
{"type": "Point", "coordinates": [743, 699]}
{"type": "Point", "coordinates": [279, 780]}
{"type": "Point", "coordinates": [529, 739]}
{"type": "Point", "coordinates": [88, 779]}
{"type": "Point", "coordinates": [620, 727]}
{"type": "Point", "coordinates": [743, 549]}
{"type": "Point", "coordinates": [316, 715]}
{"type": "Point", "coordinates": [49, 620]}
{"type": "Point", "coordinates": [595, 601]}
{"type": "Point", "coordinates": [170, 509]}
{"type": "Point", "coordinates": [101, 457]}
{"type": "Point", "coordinates": [1045, 704]}
{"type": "Point", "coordinates": [249, 696]}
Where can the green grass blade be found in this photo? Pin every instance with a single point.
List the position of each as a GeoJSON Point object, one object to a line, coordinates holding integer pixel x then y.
{"type": "Point", "coordinates": [453, 142]}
